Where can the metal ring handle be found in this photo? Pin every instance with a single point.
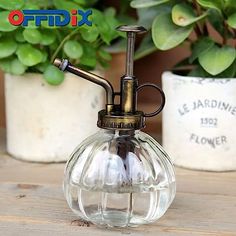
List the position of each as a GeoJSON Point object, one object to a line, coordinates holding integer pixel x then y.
{"type": "Point", "coordinates": [163, 99]}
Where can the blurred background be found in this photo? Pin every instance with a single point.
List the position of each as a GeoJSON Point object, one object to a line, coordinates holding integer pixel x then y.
{"type": "Point", "coordinates": [45, 113]}
{"type": "Point", "coordinates": [55, 110]}
{"type": "Point", "coordinates": [148, 69]}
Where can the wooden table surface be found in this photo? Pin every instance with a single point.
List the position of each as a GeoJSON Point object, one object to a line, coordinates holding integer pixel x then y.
{"type": "Point", "coordinates": [32, 203]}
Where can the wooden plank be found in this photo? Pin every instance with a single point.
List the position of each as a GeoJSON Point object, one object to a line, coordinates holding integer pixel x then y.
{"type": "Point", "coordinates": [202, 182]}
{"type": "Point", "coordinates": [12, 170]}
{"type": "Point", "coordinates": [28, 209]}
{"type": "Point", "coordinates": [32, 203]}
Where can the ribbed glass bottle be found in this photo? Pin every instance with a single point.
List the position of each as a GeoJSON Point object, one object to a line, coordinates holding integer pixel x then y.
{"type": "Point", "coordinates": [119, 179]}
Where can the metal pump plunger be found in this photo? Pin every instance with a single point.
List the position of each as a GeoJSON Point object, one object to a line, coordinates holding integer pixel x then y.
{"type": "Point", "coordinates": [123, 116]}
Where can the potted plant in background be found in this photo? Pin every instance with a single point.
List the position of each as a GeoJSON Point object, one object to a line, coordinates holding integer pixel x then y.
{"type": "Point", "coordinates": [45, 122]}
{"type": "Point", "coordinates": [200, 114]}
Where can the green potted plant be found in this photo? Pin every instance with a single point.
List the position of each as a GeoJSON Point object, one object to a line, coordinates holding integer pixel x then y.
{"type": "Point", "coordinates": [199, 117]}
{"type": "Point", "coordinates": [44, 121]}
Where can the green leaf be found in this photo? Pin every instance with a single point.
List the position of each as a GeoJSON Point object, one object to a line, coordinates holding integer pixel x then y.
{"type": "Point", "coordinates": [229, 72]}
{"type": "Point", "coordinates": [103, 27]}
{"type": "Point", "coordinates": [88, 61]}
{"type": "Point", "coordinates": [42, 66]}
{"type": "Point", "coordinates": [110, 11]}
{"type": "Point", "coordinates": [19, 37]}
{"type": "Point", "coordinates": [73, 49]}
{"type": "Point", "coordinates": [32, 36]}
{"type": "Point", "coordinates": [166, 34]}
{"type": "Point", "coordinates": [104, 55]}
{"type": "Point", "coordinates": [229, 3]}
{"type": "Point", "coordinates": [5, 65]}
{"type": "Point", "coordinates": [31, 6]}
{"type": "Point", "coordinates": [216, 20]}
{"type": "Point", "coordinates": [28, 55]}
{"type": "Point", "coordinates": [7, 47]}
{"type": "Point", "coordinates": [146, 3]}
{"type": "Point", "coordinates": [230, 7]}
{"type": "Point", "coordinates": [48, 37]}
{"type": "Point", "coordinates": [232, 21]}
{"type": "Point", "coordinates": [53, 75]}
{"type": "Point", "coordinates": [31, 25]}
{"type": "Point", "coordinates": [97, 16]}
{"type": "Point", "coordinates": [217, 59]}
{"type": "Point", "coordinates": [90, 33]}
{"type": "Point", "coordinates": [105, 32]}
{"type": "Point", "coordinates": [45, 24]}
{"type": "Point", "coordinates": [146, 47]}
{"type": "Point", "coordinates": [87, 3]}
{"type": "Point", "coordinates": [216, 4]}
{"type": "Point", "coordinates": [80, 2]}
{"type": "Point", "coordinates": [11, 4]}
{"type": "Point", "coordinates": [89, 56]}
{"type": "Point", "coordinates": [201, 46]}
{"type": "Point", "coordinates": [104, 64]}
{"type": "Point", "coordinates": [147, 15]}
{"type": "Point", "coordinates": [66, 5]}
{"type": "Point", "coordinates": [17, 68]}
{"type": "Point", "coordinates": [45, 56]}
{"type": "Point", "coordinates": [199, 72]}
{"type": "Point", "coordinates": [113, 23]}
{"type": "Point", "coordinates": [184, 15]}
{"type": "Point", "coordinates": [53, 46]}
{"type": "Point", "coordinates": [40, 3]}
{"type": "Point", "coordinates": [4, 22]}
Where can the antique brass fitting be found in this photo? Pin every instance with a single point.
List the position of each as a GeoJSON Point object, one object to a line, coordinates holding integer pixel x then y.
{"type": "Point", "coordinates": [122, 116]}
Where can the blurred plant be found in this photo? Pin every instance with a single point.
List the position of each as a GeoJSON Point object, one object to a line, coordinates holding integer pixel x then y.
{"type": "Point", "coordinates": [172, 22]}
{"type": "Point", "coordinates": [32, 49]}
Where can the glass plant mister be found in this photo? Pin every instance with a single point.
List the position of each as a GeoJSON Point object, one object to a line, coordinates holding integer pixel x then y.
{"type": "Point", "coordinates": [119, 176]}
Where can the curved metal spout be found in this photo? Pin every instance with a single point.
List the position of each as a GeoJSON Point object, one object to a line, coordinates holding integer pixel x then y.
{"type": "Point", "coordinates": [64, 65]}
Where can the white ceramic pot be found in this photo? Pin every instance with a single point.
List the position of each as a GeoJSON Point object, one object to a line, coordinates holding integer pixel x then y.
{"type": "Point", "coordinates": [45, 123]}
{"type": "Point", "coordinates": [199, 122]}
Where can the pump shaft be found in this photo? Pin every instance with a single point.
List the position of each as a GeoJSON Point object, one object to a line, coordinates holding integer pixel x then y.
{"type": "Point", "coordinates": [129, 83]}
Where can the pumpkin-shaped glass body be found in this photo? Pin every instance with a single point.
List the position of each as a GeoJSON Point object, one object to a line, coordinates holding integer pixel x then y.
{"type": "Point", "coordinates": [119, 179]}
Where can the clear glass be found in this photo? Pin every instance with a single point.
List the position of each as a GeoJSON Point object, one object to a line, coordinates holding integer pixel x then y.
{"type": "Point", "coordinates": [119, 179]}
